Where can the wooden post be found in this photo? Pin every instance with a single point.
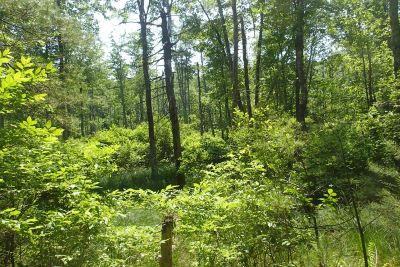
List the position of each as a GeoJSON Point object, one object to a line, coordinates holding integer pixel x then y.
{"type": "Point", "coordinates": [166, 241]}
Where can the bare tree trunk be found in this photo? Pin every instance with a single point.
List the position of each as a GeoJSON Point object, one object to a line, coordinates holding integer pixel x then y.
{"type": "Point", "coordinates": [187, 83]}
{"type": "Point", "coordinates": [200, 104]}
{"type": "Point", "coordinates": [60, 42]}
{"type": "Point", "coordinates": [365, 79]}
{"type": "Point", "coordinates": [370, 79]}
{"type": "Point", "coordinates": [258, 62]}
{"type": "Point", "coordinates": [81, 115]}
{"type": "Point", "coordinates": [246, 68]}
{"type": "Point", "coordinates": [226, 38]}
{"type": "Point", "coordinates": [237, 102]}
{"type": "Point", "coordinates": [395, 33]}
{"type": "Point", "coordinates": [147, 85]}
{"type": "Point", "coordinates": [169, 86]}
{"type": "Point", "coordinates": [121, 82]}
{"type": "Point", "coordinates": [182, 89]}
{"type": "Point", "coordinates": [301, 83]}
{"type": "Point", "coordinates": [211, 120]}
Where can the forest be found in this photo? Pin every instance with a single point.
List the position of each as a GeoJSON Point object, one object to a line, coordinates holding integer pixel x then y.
{"type": "Point", "coordinates": [237, 133]}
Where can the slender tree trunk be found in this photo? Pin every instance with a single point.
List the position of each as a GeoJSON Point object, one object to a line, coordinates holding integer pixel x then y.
{"type": "Point", "coordinates": [226, 38]}
{"type": "Point", "coordinates": [231, 62]}
{"type": "Point", "coordinates": [147, 85]}
{"type": "Point", "coordinates": [208, 107]}
{"type": "Point", "coordinates": [360, 230]}
{"type": "Point", "coordinates": [187, 83]}
{"type": "Point", "coordinates": [211, 120]}
{"type": "Point", "coordinates": [246, 68]}
{"type": "Point", "coordinates": [60, 42]}
{"type": "Point", "coordinates": [301, 83]}
{"type": "Point", "coordinates": [169, 86]}
{"type": "Point", "coordinates": [258, 62]}
{"type": "Point", "coordinates": [365, 79]}
{"type": "Point", "coordinates": [122, 98]}
{"type": "Point", "coordinates": [226, 97]}
{"type": "Point", "coordinates": [370, 79]}
{"type": "Point", "coordinates": [395, 34]}
{"type": "Point", "coordinates": [200, 104]}
{"type": "Point", "coordinates": [182, 90]}
{"type": "Point", "coordinates": [237, 101]}
{"type": "Point", "coordinates": [81, 115]}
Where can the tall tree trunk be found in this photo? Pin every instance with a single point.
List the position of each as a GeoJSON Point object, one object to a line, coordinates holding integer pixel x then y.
{"type": "Point", "coordinates": [226, 38]}
{"type": "Point", "coordinates": [365, 79]}
{"type": "Point", "coordinates": [200, 103]}
{"type": "Point", "coordinates": [370, 79]}
{"type": "Point", "coordinates": [258, 62]}
{"type": "Point", "coordinates": [237, 102]}
{"type": "Point", "coordinates": [60, 42]}
{"type": "Point", "coordinates": [182, 89]}
{"type": "Point", "coordinates": [221, 121]}
{"type": "Point", "coordinates": [208, 107]}
{"type": "Point", "coordinates": [187, 84]}
{"type": "Point", "coordinates": [395, 34]}
{"type": "Point", "coordinates": [81, 115]}
{"type": "Point", "coordinates": [246, 68]}
{"type": "Point", "coordinates": [147, 85]}
{"type": "Point", "coordinates": [301, 82]}
{"type": "Point", "coordinates": [123, 102]}
{"type": "Point", "coordinates": [211, 120]}
{"type": "Point", "coordinates": [169, 86]}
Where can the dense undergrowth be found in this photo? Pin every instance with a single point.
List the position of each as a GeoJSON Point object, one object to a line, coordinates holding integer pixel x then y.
{"type": "Point", "coordinates": [271, 194]}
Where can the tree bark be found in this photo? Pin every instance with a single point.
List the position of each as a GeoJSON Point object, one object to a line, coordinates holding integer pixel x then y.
{"type": "Point", "coordinates": [395, 34]}
{"type": "Point", "coordinates": [179, 66]}
{"type": "Point", "coordinates": [246, 69]}
{"type": "Point", "coordinates": [237, 102]}
{"type": "Point", "coordinates": [301, 82]}
{"type": "Point", "coordinates": [81, 115]}
{"type": "Point", "coordinates": [147, 85]}
{"type": "Point", "coordinates": [60, 43]}
{"type": "Point", "coordinates": [365, 79]}
{"type": "Point", "coordinates": [166, 244]}
{"type": "Point", "coordinates": [258, 62]}
{"type": "Point", "coordinates": [201, 126]}
{"type": "Point", "coordinates": [226, 38]}
{"type": "Point", "coordinates": [169, 86]}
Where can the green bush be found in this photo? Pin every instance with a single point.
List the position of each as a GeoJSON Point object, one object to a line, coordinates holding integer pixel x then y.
{"type": "Point", "coordinates": [199, 152]}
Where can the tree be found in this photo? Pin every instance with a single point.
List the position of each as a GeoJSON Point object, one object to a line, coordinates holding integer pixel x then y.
{"type": "Point", "coordinates": [395, 34]}
{"type": "Point", "coordinates": [165, 13]}
{"type": "Point", "coordinates": [146, 77]}
{"type": "Point", "coordinates": [258, 58]}
{"type": "Point", "coordinates": [237, 101]}
{"type": "Point", "coordinates": [120, 71]}
{"type": "Point", "coordinates": [246, 68]}
{"type": "Point", "coordinates": [301, 82]}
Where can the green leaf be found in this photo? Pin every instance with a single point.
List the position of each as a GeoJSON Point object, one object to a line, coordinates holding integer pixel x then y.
{"type": "Point", "coordinates": [19, 65]}
{"type": "Point", "coordinates": [48, 124]}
